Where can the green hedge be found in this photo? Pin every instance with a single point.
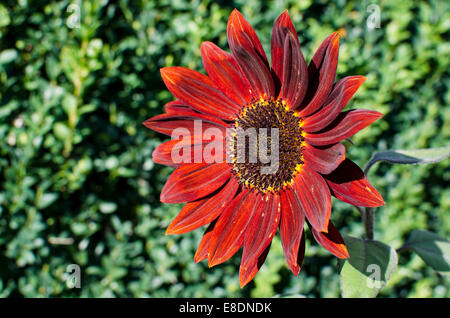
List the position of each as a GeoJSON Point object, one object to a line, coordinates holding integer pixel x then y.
{"type": "Point", "coordinates": [77, 182]}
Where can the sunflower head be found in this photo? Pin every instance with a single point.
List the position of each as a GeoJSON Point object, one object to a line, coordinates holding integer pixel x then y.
{"type": "Point", "coordinates": [280, 128]}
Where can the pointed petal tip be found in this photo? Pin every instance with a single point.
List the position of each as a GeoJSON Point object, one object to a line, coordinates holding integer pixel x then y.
{"type": "Point", "coordinates": [168, 231]}
{"type": "Point", "coordinates": [171, 230]}
{"type": "Point", "coordinates": [148, 122]}
{"type": "Point", "coordinates": [331, 241]}
{"type": "Point", "coordinates": [171, 73]}
{"type": "Point", "coordinates": [335, 40]}
{"type": "Point", "coordinates": [215, 260]}
{"type": "Point", "coordinates": [206, 45]}
{"type": "Point", "coordinates": [200, 255]}
{"type": "Point", "coordinates": [380, 202]}
{"type": "Point", "coordinates": [244, 279]}
{"type": "Point", "coordinates": [246, 274]}
{"type": "Point", "coordinates": [292, 264]}
{"type": "Point", "coordinates": [324, 226]}
{"type": "Point", "coordinates": [163, 199]}
{"type": "Point", "coordinates": [294, 267]}
{"type": "Point", "coordinates": [377, 114]}
{"type": "Point", "coordinates": [164, 70]}
{"type": "Point", "coordinates": [377, 199]}
{"type": "Point", "coordinates": [324, 229]}
{"type": "Point", "coordinates": [284, 20]}
{"type": "Point", "coordinates": [165, 74]}
{"type": "Point", "coordinates": [242, 284]}
{"type": "Point", "coordinates": [357, 80]}
{"type": "Point", "coordinates": [234, 13]}
{"type": "Point", "coordinates": [285, 14]}
{"type": "Point", "coordinates": [345, 253]}
{"type": "Point", "coordinates": [296, 270]}
{"type": "Point", "coordinates": [212, 262]}
{"type": "Point", "coordinates": [373, 115]}
{"type": "Point", "coordinates": [197, 259]}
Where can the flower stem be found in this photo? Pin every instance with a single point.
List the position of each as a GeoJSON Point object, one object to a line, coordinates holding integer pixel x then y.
{"type": "Point", "coordinates": [368, 216]}
{"type": "Point", "coordinates": [368, 219]}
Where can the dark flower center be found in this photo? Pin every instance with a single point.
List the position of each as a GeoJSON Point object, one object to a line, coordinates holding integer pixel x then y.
{"type": "Point", "coordinates": [265, 148]}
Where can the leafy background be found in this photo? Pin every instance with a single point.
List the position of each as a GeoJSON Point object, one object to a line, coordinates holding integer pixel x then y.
{"type": "Point", "coordinates": [77, 182]}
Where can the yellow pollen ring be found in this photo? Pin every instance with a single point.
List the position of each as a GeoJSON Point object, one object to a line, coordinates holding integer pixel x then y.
{"type": "Point", "coordinates": [271, 113]}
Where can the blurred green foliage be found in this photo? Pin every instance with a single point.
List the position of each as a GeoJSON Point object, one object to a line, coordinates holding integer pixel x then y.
{"type": "Point", "coordinates": [77, 182]}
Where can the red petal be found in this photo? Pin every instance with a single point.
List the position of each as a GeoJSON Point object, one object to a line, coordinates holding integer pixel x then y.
{"type": "Point", "coordinates": [349, 184]}
{"type": "Point", "coordinates": [295, 73]}
{"type": "Point", "coordinates": [230, 228]}
{"type": "Point", "coordinates": [339, 97]}
{"type": "Point", "coordinates": [202, 249]}
{"type": "Point", "coordinates": [247, 274]}
{"type": "Point", "coordinates": [322, 73]}
{"type": "Point", "coordinates": [332, 241]}
{"type": "Point", "coordinates": [249, 54]}
{"type": "Point", "coordinates": [324, 160]}
{"type": "Point", "coordinates": [166, 123]}
{"type": "Point", "coordinates": [163, 154]}
{"type": "Point", "coordinates": [176, 106]}
{"type": "Point", "coordinates": [346, 125]}
{"type": "Point", "coordinates": [283, 26]}
{"type": "Point", "coordinates": [291, 229]}
{"type": "Point", "coordinates": [198, 91]}
{"type": "Point", "coordinates": [314, 197]}
{"type": "Point", "coordinates": [190, 182]}
{"type": "Point", "coordinates": [223, 69]}
{"type": "Point", "coordinates": [198, 213]}
{"type": "Point", "coordinates": [261, 230]}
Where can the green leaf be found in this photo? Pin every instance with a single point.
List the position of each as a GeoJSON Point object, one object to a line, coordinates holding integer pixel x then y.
{"type": "Point", "coordinates": [368, 269]}
{"type": "Point", "coordinates": [69, 104]}
{"type": "Point", "coordinates": [4, 17]}
{"type": "Point", "coordinates": [46, 199]}
{"type": "Point", "coordinates": [433, 249]}
{"type": "Point", "coordinates": [417, 156]}
{"type": "Point", "coordinates": [108, 207]}
{"type": "Point", "coordinates": [61, 131]}
{"type": "Point", "coordinates": [7, 56]}
{"type": "Point", "coordinates": [87, 109]}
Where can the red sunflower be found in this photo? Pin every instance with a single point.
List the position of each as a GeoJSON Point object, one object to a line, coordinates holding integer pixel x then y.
{"type": "Point", "coordinates": [243, 207]}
